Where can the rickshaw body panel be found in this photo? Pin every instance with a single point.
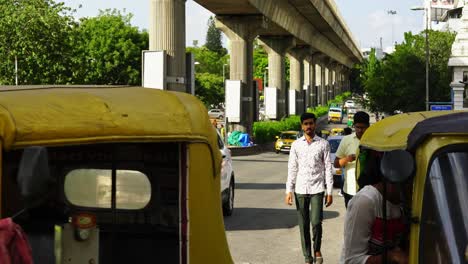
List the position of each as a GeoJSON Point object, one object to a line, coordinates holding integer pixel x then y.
{"type": "Point", "coordinates": [66, 116]}
{"type": "Point", "coordinates": [206, 243]}
{"type": "Point", "coordinates": [392, 134]}
{"type": "Point", "coordinates": [423, 158]}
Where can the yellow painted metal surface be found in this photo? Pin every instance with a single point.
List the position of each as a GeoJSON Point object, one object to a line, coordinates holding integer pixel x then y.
{"type": "Point", "coordinates": [423, 156]}
{"type": "Point", "coordinates": [208, 242]}
{"type": "Point", "coordinates": [392, 132]}
{"type": "Point", "coordinates": [86, 115]}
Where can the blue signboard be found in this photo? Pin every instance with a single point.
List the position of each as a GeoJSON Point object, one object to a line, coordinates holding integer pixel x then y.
{"type": "Point", "coordinates": [441, 107]}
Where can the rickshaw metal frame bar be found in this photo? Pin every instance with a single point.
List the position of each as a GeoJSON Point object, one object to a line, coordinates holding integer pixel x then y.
{"type": "Point", "coordinates": [183, 200]}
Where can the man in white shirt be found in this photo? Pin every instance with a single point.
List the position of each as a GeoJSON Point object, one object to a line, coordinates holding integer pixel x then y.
{"type": "Point", "coordinates": [309, 170]}
{"type": "Point", "coordinates": [346, 155]}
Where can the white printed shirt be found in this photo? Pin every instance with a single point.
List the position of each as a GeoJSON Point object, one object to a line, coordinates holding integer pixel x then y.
{"type": "Point", "coordinates": [309, 167]}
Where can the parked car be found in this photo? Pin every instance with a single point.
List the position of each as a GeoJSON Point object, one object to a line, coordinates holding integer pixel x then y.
{"type": "Point", "coordinates": [334, 142]}
{"type": "Point", "coordinates": [285, 139]}
{"type": "Point", "coordinates": [227, 178]}
{"type": "Point", "coordinates": [216, 113]}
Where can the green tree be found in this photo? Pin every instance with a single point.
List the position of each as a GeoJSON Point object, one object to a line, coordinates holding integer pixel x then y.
{"type": "Point", "coordinates": [109, 49]}
{"type": "Point", "coordinates": [260, 61]}
{"type": "Point", "coordinates": [209, 85]}
{"type": "Point", "coordinates": [38, 34]}
{"type": "Point", "coordinates": [398, 81]}
{"type": "Point", "coordinates": [209, 88]}
{"type": "Point", "coordinates": [213, 38]}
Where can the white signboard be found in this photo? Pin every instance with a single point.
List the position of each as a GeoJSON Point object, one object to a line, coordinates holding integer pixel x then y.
{"type": "Point", "coordinates": [271, 95]}
{"type": "Point", "coordinates": [154, 69]}
{"type": "Point", "coordinates": [292, 102]}
{"type": "Point", "coordinates": [233, 100]}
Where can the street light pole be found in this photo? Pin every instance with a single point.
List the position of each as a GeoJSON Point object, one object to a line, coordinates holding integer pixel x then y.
{"type": "Point", "coordinates": [427, 63]}
{"type": "Point", "coordinates": [426, 11]}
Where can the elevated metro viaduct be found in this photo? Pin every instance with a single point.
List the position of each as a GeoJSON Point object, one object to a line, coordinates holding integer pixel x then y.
{"type": "Point", "coordinates": [312, 33]}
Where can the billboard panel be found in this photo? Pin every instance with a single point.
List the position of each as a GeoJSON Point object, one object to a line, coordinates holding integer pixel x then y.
{"type": "Point", "coordinates": [292, 102]}
{"type": "Point", "coordinates": [154, 69]}
{"type": "Point", "coordinates": [233, 100]}
{"type": "Point", "coordinates": [271, 102]}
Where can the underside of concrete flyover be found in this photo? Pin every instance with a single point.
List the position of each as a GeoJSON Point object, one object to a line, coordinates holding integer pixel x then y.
{"type": "Point", "coordinates": [313, 22]}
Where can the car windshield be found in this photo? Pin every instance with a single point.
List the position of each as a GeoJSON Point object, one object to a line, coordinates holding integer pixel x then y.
{"type": "Point", "coordinates": [335, 110]}
{"type": "Point", "coordinates": [288, 136]}
{"type": "Point", "coordinates": [334, 143]}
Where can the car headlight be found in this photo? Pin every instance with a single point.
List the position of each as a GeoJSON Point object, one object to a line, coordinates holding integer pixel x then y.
{"type": "Point", "coordinates": [280, 144]}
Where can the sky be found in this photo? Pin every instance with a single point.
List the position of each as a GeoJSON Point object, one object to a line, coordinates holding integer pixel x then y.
{"type": "Point", "coordinates": [368, 20]}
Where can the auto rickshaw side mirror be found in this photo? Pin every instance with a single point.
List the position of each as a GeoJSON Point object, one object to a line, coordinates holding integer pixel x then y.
{"type": "Point", "coordinates": [34, 179]}
{"type": "Point", "coordinates": [397, 165]}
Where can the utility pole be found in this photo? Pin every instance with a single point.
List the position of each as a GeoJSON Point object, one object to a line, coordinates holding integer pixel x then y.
{"type": "Point", "coordinates": [426, 11]}
{"type": "Point", "coordinates": [16, 70]}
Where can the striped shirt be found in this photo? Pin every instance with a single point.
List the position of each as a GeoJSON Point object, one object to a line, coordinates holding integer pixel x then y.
{"type": "Point", "coordinates": [309, 167]}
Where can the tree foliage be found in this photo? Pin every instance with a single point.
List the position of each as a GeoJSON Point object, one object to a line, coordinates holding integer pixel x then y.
{"type": "Point", "coordinates": [213, 38]}
{"type": "Point", "coordinates": [109, 49]}
{"type": "Point", "coordinates": [38, 34]}
{"type": "Point", "coordinates": [209, 85]}
{"type": "Point", "coordinates": [398, 81]}
{"type": "Point", "coordinates": [52, 48]}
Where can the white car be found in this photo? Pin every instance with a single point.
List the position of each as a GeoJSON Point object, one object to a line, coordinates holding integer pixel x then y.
{"type": "Point", "coordinates": [216, 113]}
{"type": "Point", "coordinates": [349, 103]}
{"type": "Point", "coordinates": [351, 110]}
{"type": "Point", "coordinates": [227, 179]}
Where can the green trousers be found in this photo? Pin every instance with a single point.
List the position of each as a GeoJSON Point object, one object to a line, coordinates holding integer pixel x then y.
{"type": "Point", "coordinates": [310, 211]}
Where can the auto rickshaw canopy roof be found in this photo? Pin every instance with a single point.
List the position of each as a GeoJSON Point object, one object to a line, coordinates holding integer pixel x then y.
{"type": "Point", "coordinates": [405, 131]}
{"type": "Point", "coordinates": [77, 115]}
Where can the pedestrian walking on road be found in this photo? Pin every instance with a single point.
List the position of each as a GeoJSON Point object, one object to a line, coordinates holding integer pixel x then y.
{"type": "Point", "coordinates": [309, 173]}
{"type": "Point", "coordinates": [346, 155]}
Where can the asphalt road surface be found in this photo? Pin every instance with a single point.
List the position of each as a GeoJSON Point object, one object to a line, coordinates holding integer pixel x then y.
{"type": "Point", "coordinates": [263, 229]}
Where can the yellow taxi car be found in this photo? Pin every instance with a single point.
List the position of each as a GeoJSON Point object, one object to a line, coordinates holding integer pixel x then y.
{"type": "Point", "coordinates": [336, 131]}
{"type": "Point", "coordinates": [284, 140]}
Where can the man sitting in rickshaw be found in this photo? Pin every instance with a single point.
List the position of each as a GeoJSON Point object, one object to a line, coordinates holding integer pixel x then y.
{"type": "Point", "coordinates": [364, 223]}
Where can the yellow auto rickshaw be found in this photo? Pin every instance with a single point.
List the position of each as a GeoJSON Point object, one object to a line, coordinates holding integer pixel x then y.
{"type": "Point", "coordinates": [111, 175]}
{"type": "Point", "coordinates": [428, 153]}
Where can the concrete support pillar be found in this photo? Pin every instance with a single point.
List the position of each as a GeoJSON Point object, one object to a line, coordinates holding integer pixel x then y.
{"type": "Point", "coordinates": [296, 76]}
{"type": "Point", "coordinates": [458, 90]}
{"type": "Point", "coordinates": [318, 83]}
{"type": "Point", "coordinates": [167, 32]}
{"type": "Point", "coordinates": [276, 48]}
{"type": "Point", "coordinates": [312, 93]}
{"type": "Point", "coordinates": [307, 80]}
{"type": "Point", "coordinates": [241, 32]}
{"type": "Point", "coordinates": [324, 92]}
